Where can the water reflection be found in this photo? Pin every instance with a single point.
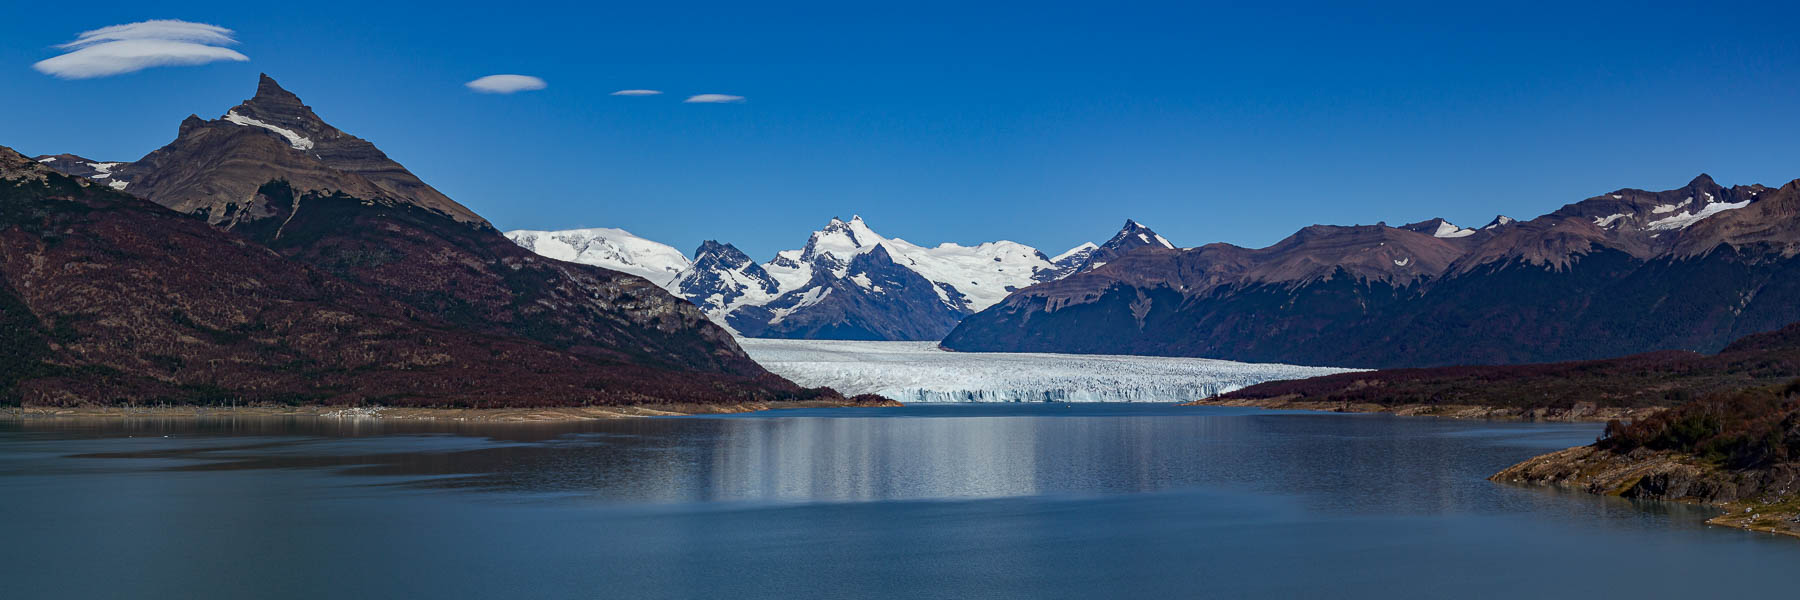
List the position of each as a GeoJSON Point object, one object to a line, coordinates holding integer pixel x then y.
{"type": "Point", "coordinates": [1010, 501]}
{"type": "Point", "coordinates": [1362, 463]}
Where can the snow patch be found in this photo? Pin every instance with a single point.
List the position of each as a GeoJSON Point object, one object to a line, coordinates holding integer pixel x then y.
{"type": "Point", "coordinates": [1607, 221]}
{"type": "Point", "coordinates": [1669, 208]}
{"type": "Point", "coordinates": [920, 372]}
{"type": "Point", "coordinates": [1403, 262]}
{"type": "Point", "coordinates": [102, 170]}
{"type": "Point", "coordinates": [1084, 247]}
{"type": "Point", "coordinates": [47, 159]}
{"type": "Point", "coordinates": [1686, 219]}
{"type": "Point", "coordinates": [1447, 230]}
{"type": "Point", "coordinates": [299, 142]}
{"type": "Point", "coordinates": [607, 247]}
{"type": "Point", "coordinates": [807, 298]}
{"type": "Point", "coordinates": [117, 185]}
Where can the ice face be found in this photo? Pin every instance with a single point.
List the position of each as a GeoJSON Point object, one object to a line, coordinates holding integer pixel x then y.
{"type": "Point", "coordinates": [919, 372]}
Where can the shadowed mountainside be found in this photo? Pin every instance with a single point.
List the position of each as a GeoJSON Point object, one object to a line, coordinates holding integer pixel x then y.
{"type": "Point", "coordinates": [1632, 271]}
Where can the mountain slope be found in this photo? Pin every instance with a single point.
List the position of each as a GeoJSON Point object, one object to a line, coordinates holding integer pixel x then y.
{"type": "Point", "coordinates": [214, 168]}
{"type": "Point", "coordinates": [105, 298]}
{"type": "Point", "coordinates": [431, 258]}
{"type": "Point", "coordinates": [1632, 271]}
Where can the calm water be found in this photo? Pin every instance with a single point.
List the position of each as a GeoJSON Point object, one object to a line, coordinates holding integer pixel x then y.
{"type": "Point", "coordinates": [1013, 501]}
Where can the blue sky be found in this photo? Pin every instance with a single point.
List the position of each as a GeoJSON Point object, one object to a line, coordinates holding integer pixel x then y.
{"type": "Point", "coordinates": [1044, 124]}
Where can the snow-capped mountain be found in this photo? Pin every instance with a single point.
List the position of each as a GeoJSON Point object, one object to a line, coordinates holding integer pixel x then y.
{"type": "Point", "coordinates": [1130, 237]}
{"type": "Point", "coordinates": [849, 282]}
{"type": "Point", "coordinates": [723, 278]}
{"type": "Point", "coordinates": [1691, 268]}
{"type": "Point", "coordinates": [615, 249]}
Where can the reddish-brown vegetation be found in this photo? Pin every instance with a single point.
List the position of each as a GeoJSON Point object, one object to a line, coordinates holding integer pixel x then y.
{"type": "Point", "coordinates": [105, 298]}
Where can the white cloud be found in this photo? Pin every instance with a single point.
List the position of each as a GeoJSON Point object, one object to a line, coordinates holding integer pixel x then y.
{"type": "Point", "coordinates": [506, 84]}
{"type": "Point", "coordinates": [156, 29]}
{"type": "Point", "coordinates": [131, 47]}
{"type": "Point", "coordinates": [714, 99]}
{"type": "Point", "coordinates": [637, 93]}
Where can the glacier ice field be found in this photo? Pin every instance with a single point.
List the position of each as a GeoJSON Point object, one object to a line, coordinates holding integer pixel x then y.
{"type": "Point", "coordinates": [920, 372]}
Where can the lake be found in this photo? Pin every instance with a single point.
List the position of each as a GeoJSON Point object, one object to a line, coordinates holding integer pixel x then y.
{"type": "Point", "coordinates": [925, 501]}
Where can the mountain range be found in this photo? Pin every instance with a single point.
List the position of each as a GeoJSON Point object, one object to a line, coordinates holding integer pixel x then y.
{"type": "Point", "coordinates": [846, 282]}
{"type": "Point", "coordinates": [1630, 271]}
{"type": "Point", "coordinates": [267, 256]}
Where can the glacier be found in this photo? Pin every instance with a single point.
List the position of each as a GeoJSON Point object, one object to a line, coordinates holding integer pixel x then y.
{"type": "Point", "coordinates": [921, 372]}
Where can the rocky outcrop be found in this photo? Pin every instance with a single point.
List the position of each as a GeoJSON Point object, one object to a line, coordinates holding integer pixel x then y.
{"type": "Point", "coordinates": [1766, 499]}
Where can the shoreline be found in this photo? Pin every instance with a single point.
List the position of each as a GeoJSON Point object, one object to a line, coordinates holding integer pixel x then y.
{"type": "Point", "coordinates": [1582, 468]}
{"type": "Point", "coordinates": [1662, 475]}
{"type": "Point", "coordinates": [1580, 413]}
{"type": "Point", "coordinates": [545, 414]}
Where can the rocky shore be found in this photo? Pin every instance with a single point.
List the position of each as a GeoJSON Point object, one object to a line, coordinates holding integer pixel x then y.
{"type": "Point", "coordinates": [1766, 499]}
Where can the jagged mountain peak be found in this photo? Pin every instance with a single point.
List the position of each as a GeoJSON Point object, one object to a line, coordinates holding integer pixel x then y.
{"type": "Point", "coordinates": [214, 168]}
{"type": "Point", "coordinates": [1135, 234]}
{"type": "Point", "coordinates": [281, 112]}
{"type": "Point", "coordinates": [1131, 237]}
{"type": "Point", "coordinates": [721, 279]}
{"type": "Point", "coordinates": [840, 240]}
{"type": "Point", "coordinates": [720, 250]}
{"type": "Point", "coordinates": [1138, 229]}
{"type": "Point", "coordinates": [270, 93]}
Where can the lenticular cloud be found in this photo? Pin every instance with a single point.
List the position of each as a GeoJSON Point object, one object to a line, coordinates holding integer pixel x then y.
{"type": "Point", "coordinates": [714, 99]}
{"type": "Point", "coordinates": [134, 47]}
{"type": "Point", "coordinates": [506, 84]}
